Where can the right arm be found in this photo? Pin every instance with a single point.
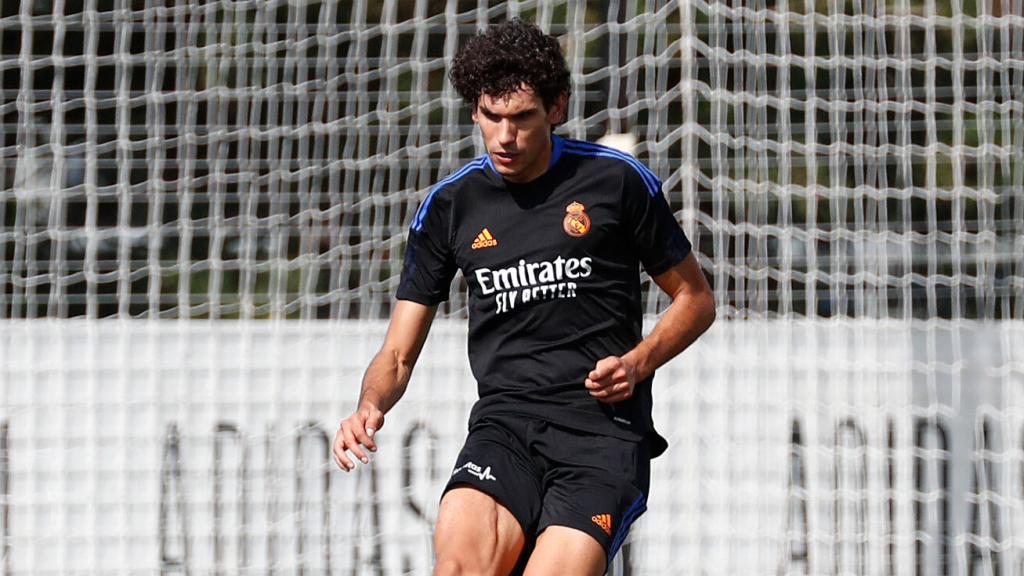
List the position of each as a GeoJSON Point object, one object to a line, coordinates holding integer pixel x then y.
{"type": "Point", "coordinates": [384, 382]}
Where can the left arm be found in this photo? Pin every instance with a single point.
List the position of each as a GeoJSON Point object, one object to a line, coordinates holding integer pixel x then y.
{"type": "Point", "coordinates": [691, 313]}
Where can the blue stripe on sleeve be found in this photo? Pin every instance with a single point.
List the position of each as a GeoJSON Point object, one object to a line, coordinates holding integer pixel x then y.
{"type": "Point", "coordinates": [421, 214]}
{"type": "Point", "coordinates": [590, 149]}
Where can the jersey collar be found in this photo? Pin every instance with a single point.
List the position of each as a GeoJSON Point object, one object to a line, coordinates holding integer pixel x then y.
{"type": "Point", "coordinates": [556, 149]}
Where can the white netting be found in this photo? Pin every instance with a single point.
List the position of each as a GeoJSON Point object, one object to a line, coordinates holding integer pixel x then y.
{"type": "Point", "coordinates": [851, 172]}
{"type": "Point", "coordinates": [251, 159]}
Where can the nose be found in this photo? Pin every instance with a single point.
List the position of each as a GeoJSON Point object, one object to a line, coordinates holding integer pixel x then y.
{"type": "Point", "coordinates": [506, 132]}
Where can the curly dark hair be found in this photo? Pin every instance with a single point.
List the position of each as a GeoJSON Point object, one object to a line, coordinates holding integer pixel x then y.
{"type": "Point", "coordinates": [506, 57]}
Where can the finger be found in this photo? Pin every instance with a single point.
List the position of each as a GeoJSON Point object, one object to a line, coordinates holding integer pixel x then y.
{"type": "Point", "coordinates": [611, 383]}
{"type": "Point", "coordinates": [372, 423]}
{"type": "Point", "coordinates": [352, 444]}
{"type": "Point", "coordinates": [598, 380]}
{"type": "Point", "coordinates": [607, 368]}
{"type": "Point", "coordinates": [615, 393]}
{"type": "Point", "coordinates": [340, 457]}
{"type": "Point", "coordinates": [622, 388]}
{"type": "Point", "coordinates": [613, 398]}
{"type": "Point", "coordinates": [364, 436]}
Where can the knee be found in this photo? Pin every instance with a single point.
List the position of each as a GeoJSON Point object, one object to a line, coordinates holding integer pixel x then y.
{"type": "Point", "coordinates": [467, 562]}
{"type": "Point", "coordinates": [470, 561]}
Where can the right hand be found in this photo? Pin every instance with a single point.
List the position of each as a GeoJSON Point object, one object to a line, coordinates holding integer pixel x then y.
{"type": "Point", "coordinates": [356, 433]}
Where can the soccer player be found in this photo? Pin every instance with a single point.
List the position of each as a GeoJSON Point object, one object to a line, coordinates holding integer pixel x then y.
{"type": "Point", "coordinates": [550, 234]}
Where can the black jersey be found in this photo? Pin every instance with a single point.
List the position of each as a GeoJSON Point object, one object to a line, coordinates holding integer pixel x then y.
{"type": "Point", "coordinates": [553, 269]}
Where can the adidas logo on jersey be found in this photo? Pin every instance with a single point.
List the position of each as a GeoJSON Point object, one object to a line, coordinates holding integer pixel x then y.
{"type": "Point", "coordinates": [484, 240]}
{"type": "Point", "coordinates": [604, 521]}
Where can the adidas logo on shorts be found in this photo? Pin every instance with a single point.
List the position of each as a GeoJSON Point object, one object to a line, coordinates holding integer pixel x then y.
{"type": "Point", "coordinates": [604, 521]}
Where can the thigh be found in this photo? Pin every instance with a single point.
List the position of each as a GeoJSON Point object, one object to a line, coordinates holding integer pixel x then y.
{"type": "Point", "coordinates": [596, 485]}
{"type": "Point", "coordinates": [475, 534]}
{"type": "Point", "coordinates": [491, 504]}
{"type": "Point", "coordinates": [564, 551]}
{"type": "Point", "coordinates": [496, 461]}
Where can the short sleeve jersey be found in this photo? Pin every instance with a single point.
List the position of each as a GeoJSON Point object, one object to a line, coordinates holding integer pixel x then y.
{"type": "Point", "coordinates": [553, 272]}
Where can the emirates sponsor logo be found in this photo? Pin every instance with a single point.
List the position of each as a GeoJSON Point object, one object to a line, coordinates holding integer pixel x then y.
{"type": "Point", "coordinates": [533, 281]}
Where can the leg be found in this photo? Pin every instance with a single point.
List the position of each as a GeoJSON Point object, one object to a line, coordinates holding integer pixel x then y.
{"type": "Point", "coordinates": [475, 535]}
{"type": "Point", "coordinates": [596, 488]}
{"type": "Point", "coordinates": [564, 551]}
{"type": "Point", "coordinates": [492, 499]}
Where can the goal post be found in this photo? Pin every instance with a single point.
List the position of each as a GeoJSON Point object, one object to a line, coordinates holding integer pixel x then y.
{"type": "Point", "coordinates": [203, 212]}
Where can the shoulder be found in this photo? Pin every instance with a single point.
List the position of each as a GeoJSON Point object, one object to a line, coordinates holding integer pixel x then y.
{"type": "Point", "coordinates": [442, 192]}
{"type": "Point", "coordinates": [612, 162]}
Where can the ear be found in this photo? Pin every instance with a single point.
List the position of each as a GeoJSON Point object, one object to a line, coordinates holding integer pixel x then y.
{"type": "Point", "coordinates": [476, 106]}
{"type": "Point", "coordinates": [556, 113]}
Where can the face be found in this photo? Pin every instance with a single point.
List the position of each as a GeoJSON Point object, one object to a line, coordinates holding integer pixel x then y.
{"type": "Point", "coordinates": [517, 132]}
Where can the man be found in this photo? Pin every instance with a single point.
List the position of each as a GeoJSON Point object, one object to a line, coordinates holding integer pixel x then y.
{"type": "Point", "coordinates": [550, 235]}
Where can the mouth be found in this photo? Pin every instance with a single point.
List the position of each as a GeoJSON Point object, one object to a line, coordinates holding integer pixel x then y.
{"type": "Point", "coordinates": [505, 158]}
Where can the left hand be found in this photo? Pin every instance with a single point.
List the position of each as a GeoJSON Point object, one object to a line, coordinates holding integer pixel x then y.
{"type": "Point", "coordinates": [612, 380]}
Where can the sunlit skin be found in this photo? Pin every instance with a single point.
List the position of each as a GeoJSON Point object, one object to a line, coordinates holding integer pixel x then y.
{"type": "Point", "coordinates": [517, 132]}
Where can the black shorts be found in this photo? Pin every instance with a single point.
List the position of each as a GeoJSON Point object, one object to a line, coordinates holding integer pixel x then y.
{"type": "Point", "coordinates": [550, 475]}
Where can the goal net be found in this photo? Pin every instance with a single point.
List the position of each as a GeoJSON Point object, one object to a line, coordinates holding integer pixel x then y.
{"type": "Point", "coordinates": [203, 210]}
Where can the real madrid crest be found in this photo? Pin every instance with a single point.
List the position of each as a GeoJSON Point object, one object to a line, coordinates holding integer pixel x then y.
{"type": "Point", "coordinates": [576, 222]}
